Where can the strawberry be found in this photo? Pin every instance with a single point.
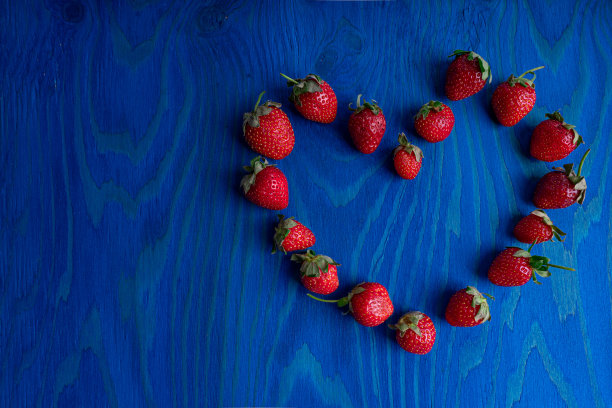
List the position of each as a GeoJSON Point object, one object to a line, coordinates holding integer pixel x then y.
{"type": "Point", "coordinates": [265, 185]}
{"type": "Point", "coordinates": [319, 273]}
{"type": "Point", "coordinates": [291, 235]}
{"type": "Point", "coordinates": [367, 126]}
{"type": "Point", "coordinates": [561, 188]}
{"type": "Point", "coordinates": [368, 302]}
{"type": "Point", "coordinates": [415, 332]}
{"type": "Point", "coordinates": [313, 98]}
{"type": "Point", "coordinates": [466, 75]}
{"type": "Point", "coordinates": [514, 99]}
{"type": "Point", "coordinates": [515, 266]}
{"type": "Point", "coordinates": [267, 130]}
{"type": "Point", "coordinates": [468, 307]}
{"type": "Point", "coordinates": [434, 121]}
{"type": "Point", "coordinates": [553, 139]}
{"type": "Point", "coordinates": [407, 158]}
{"type": "Point", "coordinates": [537, 226]}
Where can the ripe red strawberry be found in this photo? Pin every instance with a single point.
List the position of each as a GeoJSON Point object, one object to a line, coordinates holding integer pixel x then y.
{"type": "Point", "coordinates": [415, 332]}
{"type": "Point", "coordinates": [367, 126]}
{"type": "Point", "coordinates": [368, 302]}
{"type": "Point", "coordinates": [561, 188]}
{"type": "Point", "coordinates": [265, 185]}
{"type": "Point", "coordinates": [514, 99]}
{"type": "Point", "coordinates": [434, 122]}
{"type": "Point", "coordinates": [468, 307]}
{"type": "Point", "coordinates": [537, 226]}
{"type": "Point", "coordinates": [407, 158]}
{"type": "Point", "coordinates": [553, 139]}
{"type": "Point", "coordinates": [313, 98]}
{"type": "Point", "coordinates": [466, 75]}
{"type": "Point", "coordinates": [515, 266]}
{"type": "Point", "coordinates": [319, 273]}
{"type": "Point", "coordinates": [291, 235]}
{"type": "Point", "coordinates": [267, 130]}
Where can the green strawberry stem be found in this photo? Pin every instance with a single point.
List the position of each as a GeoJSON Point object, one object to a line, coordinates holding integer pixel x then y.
{"type": "Point", "coordinates": [531, 246]}
{"type": "Point", "coordinates": [258, 100]}
{"type": "Point", "coordinates": [340, 302]}
{"type": "Point", "coordinates": [323, 300]}
{"type": "Point", "coordinates": [293, 81]}
{"type": "Point", "coordinates": [561, 267]}
{"type": "Point", "coordinates": [531, 72]}
{"type": "Point", "coordinates": [582, 161]}
{"type": "Point", "coordinates": [358, 104]}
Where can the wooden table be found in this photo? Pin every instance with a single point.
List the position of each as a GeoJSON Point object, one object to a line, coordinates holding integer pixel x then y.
{"type": "Point", "coordinates": [134, 273]}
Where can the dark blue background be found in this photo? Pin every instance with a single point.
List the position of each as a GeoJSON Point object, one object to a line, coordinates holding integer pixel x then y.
{"type": "Point", "coordinates": [134, 273]}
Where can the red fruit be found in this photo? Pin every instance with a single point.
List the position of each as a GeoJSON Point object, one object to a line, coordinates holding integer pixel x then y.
{"type": "Point", "coordinates": [267, 130]}
{"type": "Point", "coordinates": [553, 139]}
{"type": "Point", "coordinates": [467, 307]}
{"type": "Point", "coordinates": [561, 188]}
{"type": "Point", "coordinates": [368, 302]}
{"type": "Point", "coordinates": [514, 99]}
{"type": "Point", "coordinates": [265, 185]}
{"type": "Point", "coordinates": [407, 158]}
{"type": "Point", "coordinates": [415, 332]}
{"type": "Point", "coordinates": [466, 75]}
{"type": "Point", "coordinates": [319, 273]}
{"type": "Point", "coordinates": [515, 266]}
{"type": "Point", "coordinates": [537, 226]}
{"type": "Point", "coordinates": [291, 235]}
{"type": "Point", "coordinates": [313, 98]}
{"type": "Point", "coordinates": [434, 121]}
{"type": "Point", "coordinates": [367, 126]}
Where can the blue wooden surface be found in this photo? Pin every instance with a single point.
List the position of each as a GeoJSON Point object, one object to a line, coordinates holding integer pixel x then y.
{"type": "Point", "coordinates": [133, 272]}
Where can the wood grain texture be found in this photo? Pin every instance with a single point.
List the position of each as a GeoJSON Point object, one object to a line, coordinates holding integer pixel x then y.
{"type": "Point", "coordinates": [133, 272]}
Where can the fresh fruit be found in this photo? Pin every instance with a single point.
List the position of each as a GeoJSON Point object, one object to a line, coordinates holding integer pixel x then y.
{"type": "Point", "coordinates": [514, 99]}
{"type": "Point", "coordinates": [415, 332]}
{"type": "Point", "coordinates": [407, 158]}
{"type": "Point", "coordinates": [267, 130]}
{"type": "Point", "coordinates": [313, 98]}
{"type": "Point", "coordinates": [468, 307]}
{"type": "Point", "coordinates": [265, 185]}
{"type": "Point", "coordinates": [319, 273]}
{"type": "Point", "coordinates": [366, 126]}
{"type": "Point", "coordinates": [434, 122]}
{"type": "Point", "coordinates": [466, 75]}
{"type": "Point", "coordinates": [291, 235]}
{"type": "Point", "coordinates": [369, 303]}
{"type": "Point", "coordinates": [561, 188]}
{"type": "Point", "coordinates": [515, 266]}
{"type": "Point", "coordinates": [553, 139]}
{"type": "Point", "coordinates": [537, 226]}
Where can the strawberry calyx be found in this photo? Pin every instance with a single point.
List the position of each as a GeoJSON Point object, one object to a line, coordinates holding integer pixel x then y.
{"type": "Point", "coordinates": [557, 116]}
{"type": "Point", "coordinates": [373, 106]}
{"type": "Point", "coordinates": [310, 84]}
{"type": "Point", "coordinates": [408, 147]}
{"type": "Point", "coordinates": [539, 264]}
{"type": "Point", "coordinates": [435, 106]}
{"type": "Point", "coordinates": [578, 181]}
{"type": "Point", "coordinates": [512, 81]}
{"type": "Point", "coordinates": [252, 118]}
{"type": "Point", "coordinates": [312, 264]}
{"type": "Point", "coordinates": [409, 321]}
{"type": "Point", "coordinates": [257, 165]}
{"type": "Point", "coordinates": [478, 299]}
{"type": "Point", "coordinates": [281, 231]}
{"type": "Point", "coordinates": [483, 65]}
{"type": "Point", "coordinates": [557, 233]}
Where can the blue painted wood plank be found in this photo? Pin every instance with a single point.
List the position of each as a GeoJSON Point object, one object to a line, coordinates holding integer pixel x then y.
{"type": "Point", "coordinates": [134, 273]}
